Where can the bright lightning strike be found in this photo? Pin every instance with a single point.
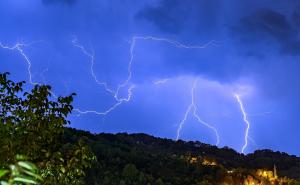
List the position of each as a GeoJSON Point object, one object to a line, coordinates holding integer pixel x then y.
{"type": "Point", "coordinates": [125, 83]}
{"type": "Point", "coordinates": [151, 38]}
{"type": "Point", "coordinates": [119, 100]}
{"type": "Point", "coordinates": [245, 118]}
{"type": "Point", "coordinates": [92, 60]}
{"type": "Point", "coordinates": [181, 124]}
{"type": "Point", "coordinates": [19, 48]}
{"type": "Point", "coordinates": [193, 107]}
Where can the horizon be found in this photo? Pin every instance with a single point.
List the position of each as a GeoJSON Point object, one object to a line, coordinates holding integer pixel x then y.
{"type": "Point", "coordinates": [222, 73]}
{"type": "Point", "coordinates": [186, 141]}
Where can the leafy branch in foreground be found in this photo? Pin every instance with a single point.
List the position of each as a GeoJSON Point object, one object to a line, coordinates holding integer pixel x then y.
{"type": "Point", "coordinates": [32, 124]}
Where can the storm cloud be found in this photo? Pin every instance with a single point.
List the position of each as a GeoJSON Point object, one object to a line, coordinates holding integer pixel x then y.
{"type": "Point", "coordinates": [175, 16]}
{"type": "Point", "coordinates": [67, 2]}
{"type": "Point", "coordinates": [269, 25]}
{"type": "Point", "coordinates": [256, 53]}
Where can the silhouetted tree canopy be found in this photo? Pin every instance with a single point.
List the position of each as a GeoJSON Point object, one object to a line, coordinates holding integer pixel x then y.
{"type": "Point", "coordinates": [32, 123]}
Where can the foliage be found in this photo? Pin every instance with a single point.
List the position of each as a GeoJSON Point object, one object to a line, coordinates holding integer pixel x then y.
{"type": "Point", "coordinates": [32, 124]}
{"type": "Point", "coordinates": [22, 172]}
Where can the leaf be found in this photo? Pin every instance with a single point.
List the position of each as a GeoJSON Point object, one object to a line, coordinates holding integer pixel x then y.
{"type": "Point", "coordinates": [27, 165]}
{"type": "Point", "coordinates": [63, 169]}
{"type": "Point", "coordinates": [21, 157]}
{"type": "Point", "coordinates": [25, 180]}
{"type": "Point", "coordinates": [36, 176]}
{"type": "Point", "coordinates": [3, 183]}
{"type": "Point", "coordinates": [3, 173]}
{"type": "Point", "coordinates": [13, 169]}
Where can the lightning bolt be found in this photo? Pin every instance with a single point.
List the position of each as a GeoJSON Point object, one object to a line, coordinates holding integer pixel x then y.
{"type": "Point", "coordinates": [119, 100]}
{"type": "Point", "coordinates": [245, 118]}
{"type": "Point", "coordinates": [159, 82]}
{"type": "Point", "coordinates": [19, 48]}
{"type": "Point", "coordinates": [91, 55]}
{"type": "Point", "coordinates": [172, 42]}
{"type": "Point", "coordinates": [115, 93]}
{"type": "Point", "coordinates": [193, 107]}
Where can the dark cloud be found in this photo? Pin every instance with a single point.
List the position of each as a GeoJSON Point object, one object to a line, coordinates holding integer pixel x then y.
{"type": "Point", "coordinates": [173, 16]}
{"type": "Point", "coordinates": [270, 22]}
{"type": "Point", "coordinates": [296, 17]}
{"type": "Point", "coordinates": [291, 47]}
{"type": "Point", "coordinates": [169, 16]}
{"type": "Point", "coordinates": [67, 2]}
{"type": "Point", "coordinates": [269, 25]}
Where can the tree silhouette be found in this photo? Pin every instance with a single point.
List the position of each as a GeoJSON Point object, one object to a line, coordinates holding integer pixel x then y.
{"type": "Point", "coordinates": [32, 124]}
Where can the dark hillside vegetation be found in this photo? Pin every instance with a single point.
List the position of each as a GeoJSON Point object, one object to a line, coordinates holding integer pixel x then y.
{"type": "Point", "coordinates": [141, 159]}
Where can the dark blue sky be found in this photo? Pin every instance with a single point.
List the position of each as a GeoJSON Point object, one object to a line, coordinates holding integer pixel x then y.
{"type": "Point", "coordinates": [255, 54]}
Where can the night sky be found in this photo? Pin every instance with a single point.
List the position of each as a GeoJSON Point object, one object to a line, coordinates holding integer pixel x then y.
{"type": "Point", "coordinates": [221, 48]}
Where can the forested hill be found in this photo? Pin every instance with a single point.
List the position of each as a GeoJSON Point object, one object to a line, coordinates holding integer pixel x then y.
{"type": "Point", "coordinates": [140, 159]}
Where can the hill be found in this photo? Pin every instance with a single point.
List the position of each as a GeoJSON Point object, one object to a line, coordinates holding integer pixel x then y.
{"type": "Point", "coordinates": [129, 159]}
